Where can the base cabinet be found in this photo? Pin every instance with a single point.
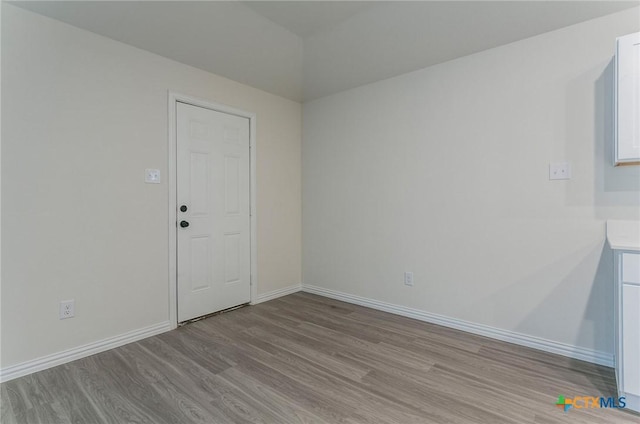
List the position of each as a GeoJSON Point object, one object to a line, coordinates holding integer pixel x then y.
{"type": "Point", "coordinates": [628, 327]}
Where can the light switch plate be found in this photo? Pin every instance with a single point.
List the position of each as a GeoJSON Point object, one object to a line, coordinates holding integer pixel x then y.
{"type": "Point", "coordinates": [560, 171]}
{"type": "Point", "coordinates": [152, 176]}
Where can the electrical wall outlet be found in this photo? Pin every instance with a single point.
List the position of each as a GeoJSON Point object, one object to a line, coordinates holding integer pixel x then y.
{"type": "Point", "coordinates": [560, 171]}
{"type": "Point", "coordinates": [67, 309]}
{"type": "Point", "coordinates": [408, 278]}
{"type": "Point", "coordinates": [152, 176]}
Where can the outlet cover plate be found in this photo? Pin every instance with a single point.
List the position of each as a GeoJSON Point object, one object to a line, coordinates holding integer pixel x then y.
{"type": "Point", "coordinates": [152, 176]}
{"type": "Point", "coordinates": [67, 309]}
{"type": "Point", "coordinates": [408, 278]}
{"type": "Point", "coordinates": [560, 171]}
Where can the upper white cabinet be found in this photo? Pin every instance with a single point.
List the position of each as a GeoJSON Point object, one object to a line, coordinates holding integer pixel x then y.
{"type": "Point", "coordinates": [627, 144]}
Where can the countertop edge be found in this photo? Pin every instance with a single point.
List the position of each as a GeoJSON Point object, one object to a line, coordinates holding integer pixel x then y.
{"type": "Point", "coordinates": [630, 248]}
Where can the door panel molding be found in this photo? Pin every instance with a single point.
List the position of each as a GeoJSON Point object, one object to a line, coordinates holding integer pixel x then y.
{"type": "Point", "coordinates": [173, 99]}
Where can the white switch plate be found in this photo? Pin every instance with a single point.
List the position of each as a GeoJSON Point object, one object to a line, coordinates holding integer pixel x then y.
{"type": "Point", "coordinates": [560, 171]}
{"type": "Point", "coordinates": [152, 176]}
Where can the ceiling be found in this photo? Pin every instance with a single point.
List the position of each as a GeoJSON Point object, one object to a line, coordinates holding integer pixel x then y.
{"type": "Point", "coordinates": [303, 50]}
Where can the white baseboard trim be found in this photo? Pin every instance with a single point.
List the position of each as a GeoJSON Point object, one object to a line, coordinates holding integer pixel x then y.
{"type": "Point", "coordinates": [277, 293]}
{"type": "Point", "coordinates": [575, 352]}
{"type": "Point", "coordinates": [59, 358]}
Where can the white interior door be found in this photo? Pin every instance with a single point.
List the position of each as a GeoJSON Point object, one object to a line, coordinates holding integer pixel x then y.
{"type": "Point", "coordinates": [213, 223]}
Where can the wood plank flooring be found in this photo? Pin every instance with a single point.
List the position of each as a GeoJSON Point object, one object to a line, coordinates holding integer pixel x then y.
{"type": "Point", "coordinates": [308, 359]}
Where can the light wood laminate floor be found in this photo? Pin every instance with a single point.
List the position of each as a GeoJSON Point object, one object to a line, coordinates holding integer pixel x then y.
{"type": "Point", "coordinates": [308, 359]}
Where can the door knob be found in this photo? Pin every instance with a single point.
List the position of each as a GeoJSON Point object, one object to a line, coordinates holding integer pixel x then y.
{"type": "Point", "coordinates": [183, 208]}
{"type": "Point", "coordinates": [184, 224]}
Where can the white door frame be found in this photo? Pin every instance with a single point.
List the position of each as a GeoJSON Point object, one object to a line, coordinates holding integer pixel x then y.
{"type": "Point", "coordinates": [172, 176]}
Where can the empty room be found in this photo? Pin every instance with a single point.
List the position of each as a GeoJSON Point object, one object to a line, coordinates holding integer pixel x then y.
{"type": "Point", "coordinates": [320, 212]}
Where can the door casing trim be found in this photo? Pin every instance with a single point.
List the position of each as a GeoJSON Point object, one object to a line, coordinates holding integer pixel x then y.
{"type": "Point", "coordinates": [173, 99]}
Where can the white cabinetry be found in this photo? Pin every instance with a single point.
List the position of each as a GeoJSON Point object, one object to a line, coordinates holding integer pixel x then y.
{"type": "Point", "coordinates": [628, 326]}
{"type": "Point", "coordinates": [624, 239]}
{"type": "Point", "coordinates": [627, 92]}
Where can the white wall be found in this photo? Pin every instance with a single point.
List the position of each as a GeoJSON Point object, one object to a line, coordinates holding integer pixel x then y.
{"type": "Point", "coordinates": [444, 172]}
{"type": "Point", "coordinates": [83, 117]}
{"type": "Point", "coordinates": [0, 182]}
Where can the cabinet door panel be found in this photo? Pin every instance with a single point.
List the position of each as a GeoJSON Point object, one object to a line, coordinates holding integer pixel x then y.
{"type": "Point", "coordinates": [631, 338]}
{"type": "Point", "coordinates": [631, 268]}
{"type": "Point", "coordinates": [628, 99]}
